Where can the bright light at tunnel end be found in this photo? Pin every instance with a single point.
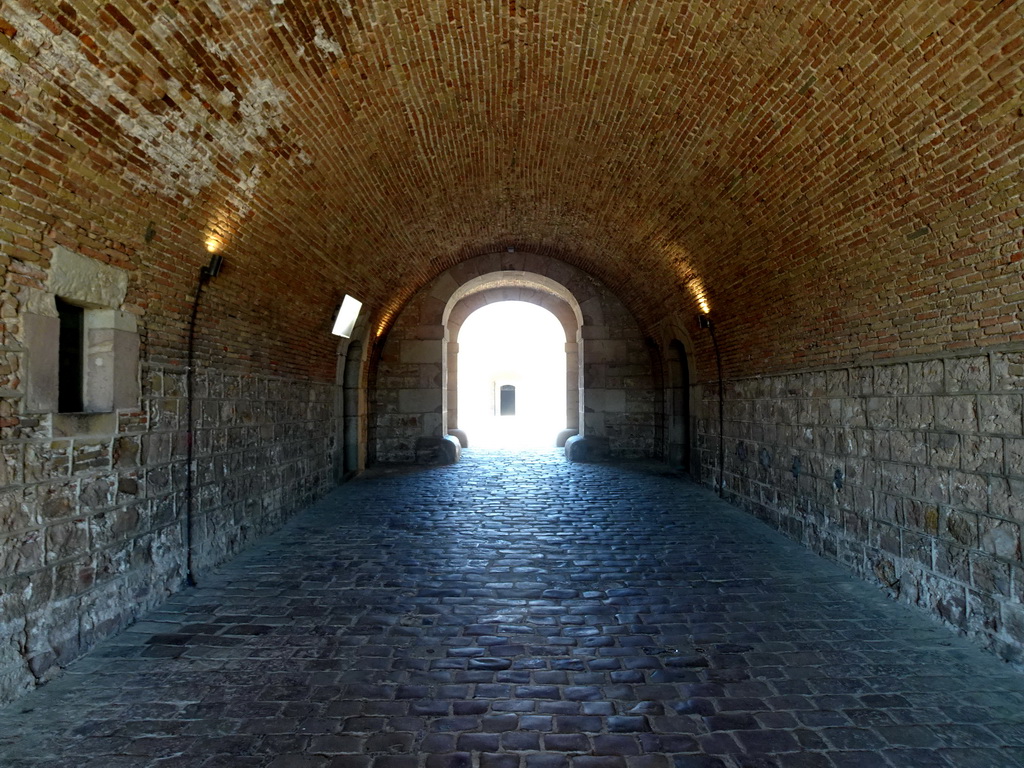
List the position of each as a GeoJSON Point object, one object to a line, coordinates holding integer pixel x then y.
{"type": "Point", "coordinates": [516, 348]}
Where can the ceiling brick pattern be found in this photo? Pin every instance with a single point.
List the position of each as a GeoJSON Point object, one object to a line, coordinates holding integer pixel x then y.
{"type": "Point", "coordinates": [838, 181]}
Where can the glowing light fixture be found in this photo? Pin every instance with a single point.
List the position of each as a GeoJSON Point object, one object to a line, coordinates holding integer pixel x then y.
{"type": "Point", "coordinates": [348, 312]}
{"type": "Point", "coordinates": [700, 294]}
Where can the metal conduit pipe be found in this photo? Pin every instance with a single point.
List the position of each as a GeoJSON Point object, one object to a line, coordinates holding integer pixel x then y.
{"type": "Point", "coordinates": [705, 322]}
{"type": "Point", "coordinates": [205, 273]}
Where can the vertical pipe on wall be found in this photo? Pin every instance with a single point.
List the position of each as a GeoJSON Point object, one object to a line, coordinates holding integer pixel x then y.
{"type": "Point", "coordinates": [721, 414]}
{"type": "Point", "coordinates": [205, 273]}
{"type": "Point", "coordinates": [705, 322]}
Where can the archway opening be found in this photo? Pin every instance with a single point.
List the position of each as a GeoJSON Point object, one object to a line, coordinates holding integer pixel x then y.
{"type": "Point", "coordinates": [512, 377]}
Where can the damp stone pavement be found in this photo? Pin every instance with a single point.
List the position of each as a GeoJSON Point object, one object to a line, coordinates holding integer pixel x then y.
{"type": "Point", "coordinates": [519, 611]}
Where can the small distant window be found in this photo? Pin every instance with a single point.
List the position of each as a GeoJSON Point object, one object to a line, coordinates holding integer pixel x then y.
{"type": "Point", "coordinates": [71, 357]}
{"type": "Point", "coordinates": [508, 400]}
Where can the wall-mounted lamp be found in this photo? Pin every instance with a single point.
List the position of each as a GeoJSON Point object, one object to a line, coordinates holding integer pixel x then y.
{"type": "Point", "coordinates": [348, 313]}
{"type": "Point", "coordinates": [213, 268]}
{"type": "Point", "coordinates": [704, 321]}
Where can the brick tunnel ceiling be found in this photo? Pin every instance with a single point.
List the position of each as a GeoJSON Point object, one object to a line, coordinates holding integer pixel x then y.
{"type": "Point", "coordinates": [829, 169]}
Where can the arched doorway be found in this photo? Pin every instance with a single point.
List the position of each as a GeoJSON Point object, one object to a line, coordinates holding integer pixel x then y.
{"type": "Point", "coordinates": [613, 400]}
{"type": "Point", "coordinates": [511, 377]}
{"type": "Point", "coordinates": [499, 287]}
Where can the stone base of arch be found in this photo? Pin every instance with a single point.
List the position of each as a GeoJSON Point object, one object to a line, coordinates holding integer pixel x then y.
{"type": "Point", "coordinates": [580, 448]}
{"type": "Point", "coordinates": [438, 450]}
{"type": "Point", "coordinates": [564, 435]}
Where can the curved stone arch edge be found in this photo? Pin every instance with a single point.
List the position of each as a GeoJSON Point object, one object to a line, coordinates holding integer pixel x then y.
{"type": "Point", "coordinates": [502, 279]}
{"type": "Point", "coordinates": [467, 306]}
{"type": "Point", "coordinates": [352, 366]}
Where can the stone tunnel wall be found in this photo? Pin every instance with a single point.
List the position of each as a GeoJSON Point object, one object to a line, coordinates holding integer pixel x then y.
{"type": "Point", "coordinates": [910, 473]}
{"type": "Point", "coordinates": [93, 525]}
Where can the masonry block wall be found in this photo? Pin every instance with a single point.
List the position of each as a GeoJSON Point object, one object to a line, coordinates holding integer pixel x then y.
{"type": "Point", "coordinates": [93, 522]}
{"type": "Point", "coordinates": [92, 505]}
{"type": "Point", "coordinates": [262, 451]}
{"type": "Point", "coordinates": [620, 400]}
{"type": "Point", "coordinates": [909, 472]}
{"type": "Point", "coordinates": [409, 388]}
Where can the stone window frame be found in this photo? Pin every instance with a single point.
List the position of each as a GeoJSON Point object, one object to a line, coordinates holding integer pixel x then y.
{"type": "Point", "coordinates": [110, 370]}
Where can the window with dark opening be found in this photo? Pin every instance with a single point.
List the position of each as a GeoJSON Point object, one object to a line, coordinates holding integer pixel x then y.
{"type": "Point", "coordinates": [71, 357]}
{"type": "Point", "coordinates": [508, 400]}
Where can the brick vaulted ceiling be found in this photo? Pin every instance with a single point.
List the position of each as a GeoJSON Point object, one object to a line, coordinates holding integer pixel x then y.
{"type": "Point", "coordinates": [839, 179]}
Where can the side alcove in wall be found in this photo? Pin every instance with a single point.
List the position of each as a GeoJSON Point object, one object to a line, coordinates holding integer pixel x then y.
{"type": "Point", "coordinates": [350, 407]}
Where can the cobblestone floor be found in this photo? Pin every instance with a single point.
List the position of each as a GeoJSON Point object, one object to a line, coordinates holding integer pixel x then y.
{"type": "Point", "coordinates": [522, 612]}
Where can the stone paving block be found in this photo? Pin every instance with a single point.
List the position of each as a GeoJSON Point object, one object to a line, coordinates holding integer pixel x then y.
{"type": "Point", "coordinates": [547, 761]}
{"type": "Point", "coordinates": [698, 761]}
{"type": "Point", "coordinates": [499, 760]}
{"type": "Point", "coordinates": [649, 761]}
{"type": "Point", "coordinates": [805, 760]}
{"type": "Point", "coordinates": [566, 742]}
{"type": "Point", "coordinates": [350, 761]}
{"type": "Point", "coordinates": [513, 741]}
{"type": "Point", "coordinates": [597, 761]}
{"type": "Point", "coordinates": [396, 761]}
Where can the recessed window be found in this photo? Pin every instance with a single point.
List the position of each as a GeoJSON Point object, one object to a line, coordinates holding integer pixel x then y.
{"type": "Point", "coordinates": [507, 405]}
{"type": "Point", "coordinates": [71, 357]}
